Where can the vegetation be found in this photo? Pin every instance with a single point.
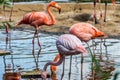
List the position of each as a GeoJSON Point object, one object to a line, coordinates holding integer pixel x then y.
{"type": "Point", "coordinates": [6, 3]}
{"type": "Point", "coordinates": [62, 0]}
{"type": "Point", "coordinates": [116, 75]}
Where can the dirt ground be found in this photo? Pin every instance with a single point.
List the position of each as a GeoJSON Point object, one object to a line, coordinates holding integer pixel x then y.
{"type": "Point", "coordinates": [71, 13]}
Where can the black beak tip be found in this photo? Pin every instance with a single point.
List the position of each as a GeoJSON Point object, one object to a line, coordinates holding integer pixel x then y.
{"type": "Point", "coordinates": [59, 11]}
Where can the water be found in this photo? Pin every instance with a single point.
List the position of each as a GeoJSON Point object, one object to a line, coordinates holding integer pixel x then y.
{"type": "Point", "coordinates": [21, 46]}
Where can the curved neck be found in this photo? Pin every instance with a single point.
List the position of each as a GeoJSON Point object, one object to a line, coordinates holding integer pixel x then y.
{"type": "Point", "coordinates": [62, 58]}
{"type": "Point", "coordinates": [52, 18]}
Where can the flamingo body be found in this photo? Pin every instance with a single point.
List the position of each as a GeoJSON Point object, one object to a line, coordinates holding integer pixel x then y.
{"type": "Point", "coordinates": [85, 31]}
{"type": "Point", "coordinates": [67, 43]}
{"type": "Point", "coordinates": [33, 18]}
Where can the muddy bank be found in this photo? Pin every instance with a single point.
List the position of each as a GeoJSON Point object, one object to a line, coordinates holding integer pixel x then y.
{"type": "Point", "coordinates": [67, 17]}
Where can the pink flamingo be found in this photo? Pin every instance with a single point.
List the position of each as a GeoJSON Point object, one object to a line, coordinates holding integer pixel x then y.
{"type": "Point", "coordinates": [37, 19]}
{"type": "Point", "coordinates": [67, 45]}
{"type": "Point", "coordinates": [85, 31]}
{"type": "Point", "coordinates": [113, 3]}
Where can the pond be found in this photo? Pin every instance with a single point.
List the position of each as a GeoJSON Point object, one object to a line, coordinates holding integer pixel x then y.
{"type": "Point", "coordinates": [21, 56]}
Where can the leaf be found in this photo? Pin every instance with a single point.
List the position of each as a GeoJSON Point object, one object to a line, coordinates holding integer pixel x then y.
{"type": "Point", "coordinates": [6, 3]}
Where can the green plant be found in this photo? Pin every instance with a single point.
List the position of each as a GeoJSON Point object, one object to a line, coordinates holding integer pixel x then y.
{"type": "Point", "coordinates": [9, 4]}
{"type": "Point", "coordinates": [115, 76]}
{"type": "Point", "coordinates": [6, 3]}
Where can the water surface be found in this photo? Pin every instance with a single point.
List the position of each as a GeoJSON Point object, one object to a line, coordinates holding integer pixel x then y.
{"type": "Point", "coordinates": [21, 56]}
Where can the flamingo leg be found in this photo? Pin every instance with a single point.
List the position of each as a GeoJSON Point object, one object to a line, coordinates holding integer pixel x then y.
{"type": "Point", "coordinates": [82, 58]}
{"type": "Point", "coordinates": [8, 36]}
{"type": "Point", "coordinates": [33, 45]}
{"type": "Point", "coordinates": [38, 44]}
{"type": "Point", "coordinates": [100, 9]}
{"type": "Point", "coordinates": [106, 51]}
{"type": "Point", "coordinates": [36, 62]}
{"type": "Point", "coordinates": [5, 65]}
{"type": "Point", "coordinates": [101, 49]}
{"type": "Point", "coordinates": [36, 35]}
{"type": "Point", "coordinates": [105, 11]}
{"type": "Point", "coordinates": [95, 19]}
{"type": "Point", "coordinates": [38, 40]}
{"type": "Point", "coordinates": [10, 42]}
{"type": "Point", "coordinates": [70, 67]}
{"type": "Point", "coordinates": [6, 41]}
{"type": "Point", "coordinates": [63, 70]}
{"type": "Point", "coordinates": [100, 19]}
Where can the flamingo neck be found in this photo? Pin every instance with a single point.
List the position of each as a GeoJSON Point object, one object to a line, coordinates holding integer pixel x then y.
{"type": "Point", "coordinates": [62, 58]}
{"type": "Point", "coordinates": [52, 18]}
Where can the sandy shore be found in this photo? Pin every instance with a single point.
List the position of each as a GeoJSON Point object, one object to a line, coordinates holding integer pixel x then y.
{"type": "Point", "coordinates": [67, 17]}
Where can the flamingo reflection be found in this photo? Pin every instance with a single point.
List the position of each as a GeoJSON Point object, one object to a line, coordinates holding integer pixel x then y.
{"type": "Point", "coordinates": [8, 75]}
{"type": "Point", "coordinates": [8, 36]}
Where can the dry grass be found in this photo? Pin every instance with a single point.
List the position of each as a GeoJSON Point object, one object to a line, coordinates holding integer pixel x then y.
{"type": "Point", "coordinates": [66, 18]}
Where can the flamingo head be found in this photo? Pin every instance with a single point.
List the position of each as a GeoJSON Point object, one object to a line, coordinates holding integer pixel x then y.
{"type": "Point", "coordinates": [54, 4]}
{"type": "Point", "coordinates": [44, 75]}
{"type": "Point", "coordinates": [100, 34]}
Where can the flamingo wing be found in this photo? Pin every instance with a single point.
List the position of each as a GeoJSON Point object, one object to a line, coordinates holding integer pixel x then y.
{"type": "Point", "coordinates": [82, 31]}
{"type": "Point", "coordinates": [33, 17]}
{"type": "Point", "coordinates": [85, 31]}
{"type": "Point", "coordinates": [68, 44]}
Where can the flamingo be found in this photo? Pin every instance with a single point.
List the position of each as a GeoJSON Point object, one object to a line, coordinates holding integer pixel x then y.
{"type": "Point", "coordinates": [85, 31]}
{"type": "Point", "coordinates": [94, 2]}
{"type": "Point", "coordinates": [67, 45]}
{"type": "Point", "coordinates": [113, 3]}
{"type": "Point", "coordinates": [37, 19]}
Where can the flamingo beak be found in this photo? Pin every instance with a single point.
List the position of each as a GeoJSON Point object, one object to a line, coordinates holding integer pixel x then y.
{"type": "Point", "coordinates": [58, 7]}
